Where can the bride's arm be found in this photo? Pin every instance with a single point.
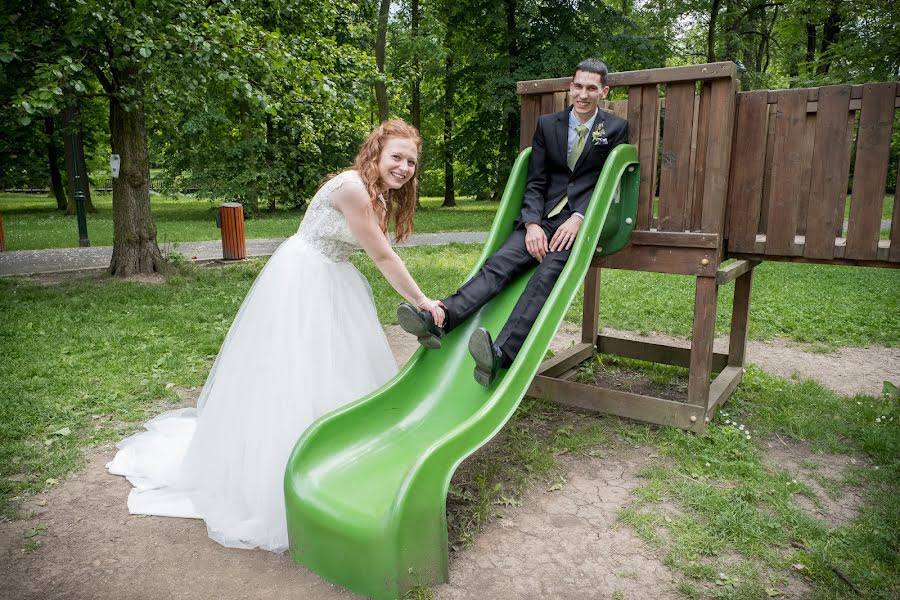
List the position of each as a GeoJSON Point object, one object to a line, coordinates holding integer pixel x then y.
{"type": "Point", "coordinates": [354, 203]}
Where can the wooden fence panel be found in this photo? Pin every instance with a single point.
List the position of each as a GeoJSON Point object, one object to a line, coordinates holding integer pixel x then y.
{"type": "Point", "coordinates": [676, 155]}
{"type": "Point", "coordinates": [748, 171]}
{"type": "Point", "coordinates": [830, 170]}
{"type": "Point", "coordinates": [872, 151]}
{"type": "Point", "coordinates": [787, 159]}
{"type": "Point", "coordinates": [718, 155]}
{"type": "Point", "coordinates": [647, 139]}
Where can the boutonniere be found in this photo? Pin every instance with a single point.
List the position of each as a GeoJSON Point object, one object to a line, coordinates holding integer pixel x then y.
{"type": "Point", "coordinates": [599, 136]}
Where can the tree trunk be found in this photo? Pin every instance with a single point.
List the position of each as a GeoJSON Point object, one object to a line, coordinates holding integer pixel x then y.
{"type": "Point", "coordinates": [252, 193]}
{"type": "Point", "coordinates": [830, 31]}
{"type": "Point", "coordinates": [711, 33]}
{"type": "Point", "coordinates": [810, 44]}
{"type": "Point", "coordinates": [415, 109]}
{"type": "Point", "coordinates": [134, 234]}
{"type": "Point", "coordinates": [380, 42]}
{"type": "Point", "coordinates": [56, 184]}
{"type": "Point", "coordinates": [74, 143]}
{"type": "Point", "coordinates": [509, 138]}
{"type": "Point", "coordinates": [449, 92]}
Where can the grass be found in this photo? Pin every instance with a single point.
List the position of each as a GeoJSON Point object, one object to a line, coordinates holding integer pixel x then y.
{"type": "Point", "coordinates": [32, 222]}
{"type": "Point", "coordinates": [87, 360]}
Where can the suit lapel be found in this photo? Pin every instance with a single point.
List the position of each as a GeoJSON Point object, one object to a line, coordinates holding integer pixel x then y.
{"type": "Point", "coordinates": [562, 134]}
{"type": "Point", "coordinates": [589, 142]}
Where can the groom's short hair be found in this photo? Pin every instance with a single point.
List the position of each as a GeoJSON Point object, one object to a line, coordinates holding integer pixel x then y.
{"type": "Point", "coordinates": [593, 65]}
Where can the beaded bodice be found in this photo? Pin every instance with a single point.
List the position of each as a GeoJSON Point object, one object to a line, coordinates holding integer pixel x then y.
{"type": "Point", "coordinates": [324, 227]}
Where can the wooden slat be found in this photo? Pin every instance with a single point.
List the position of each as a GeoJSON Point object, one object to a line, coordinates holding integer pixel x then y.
{"type": "Point", "coordinates": [676, 155]}
{"type": "Point", "coordinates": [560, 101]}
{"type": "Point", "coordinates": [740, 317]}
{"type": "Point", "coordinates": [721, 388]}
{"type": "Point", "coordinates": [848, 156]}
{"type": "Point", "coordinates": [661, 259]}
{"type": "Point", "coordinates": [718, 155]}
{"type": "Point", "coordinates": [809, 138]}
{"type": "Point", "coordinates": [872, 151]}
{"type": "Point", "coordinates": [767, 174]}
{"type": "Point", "coordinates": [623, 404]}
{"type": "Point", "coordinates": [648, 135]}
{"type": "Point", "coordinates": [734, 270]}
{"type": "Point", "coordinates": [528, 120]}
{"type": "Point", "coordinates": [894, 252]}
{"type": "Point", "coordinates": [590, 322]}
{"type": "Point", "coordinates": [565, 360]}
{"type": "Point", "coordinates": [682, 239]}
{"type": "Point", "coordinates": [703, 72]}
{"type": "Point", "coordinates": [668, 354]}
{"type": "Point", "coordinates": [546, 103]}
{"type": "Point", "coordinates": [618, 108]}
{"type": "Point", "coordinates": [828, 182]}
{"type": "Point", "coordinates": [705, 110]}
{"type": "Point", "coordinates": [790, 123]}
{"type": "Point", "coordinates": [693, 219]}
{"type": "Point", "coordinates": [702, 341]}
{"type": "Point", "coordinates": [747, 173]}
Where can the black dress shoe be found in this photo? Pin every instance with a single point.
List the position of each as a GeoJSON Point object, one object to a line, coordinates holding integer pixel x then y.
{"type": "Point", "coordinates": [420, 323]}
{"type": "Point", "coordinates": [488, 356]}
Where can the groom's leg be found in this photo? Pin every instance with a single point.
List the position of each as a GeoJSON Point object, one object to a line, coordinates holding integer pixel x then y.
{"type": "Point", "coordinates": [510, 260]}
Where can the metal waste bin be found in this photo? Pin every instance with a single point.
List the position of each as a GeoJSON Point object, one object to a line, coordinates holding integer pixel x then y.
{"type": "Point", "coordinates": [231, 221]}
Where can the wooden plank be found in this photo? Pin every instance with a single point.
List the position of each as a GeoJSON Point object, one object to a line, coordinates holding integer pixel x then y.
{"type": "Point", "coordinates": [682, 239]}
{"type": "Point", "coordinates": [676, 156]}
{"type": "Point", "coordinates": [740, 317]}
{"type": "Point", "coordinates": [649, 131]}
{"type": "Point", "coordinates": [546, 103]}
{"type": "Point", "coordinates": [721, 388]}
{"type": "Point", "coordinates": [848, 156]}
{"type": "Point", "coordinates": [702, 341]}
{"type": "Point", "coordinates": [873, 148]}
{"type": "Point", "coordinates": [718, 155]}
{"type": "Point", "coordinates": [614, 402]}
{"type": "Point", "coordinates": [767, 176]}
{"type": "Point", "coordinates": [809, 138]}
{"type": "Point", "coordinates": [590, 322]}
{"type": "Point", "coordinates": [705, 109]}
{"type": "Point", "coordinates": [560, 101]}
{"type": "Point", "coordinates": [565, 360]}
{"type": "Point", "coordinates": [881, 261]}
{"type": "Point", "coordinates": [694, 220]}
{"type": "Point", "coordinates": [705, 72]}
{"type": "Point", "coordinates": [675, 354]}
{"type": "Point", "coordinates": [528, 120]}
{"type": "Point", "coordinates": [662, 259]}
{"type": "Point", "coordinates": [790, 122]}
{"type": "Point", "coordinates": [747, 174]}
{"type": "Point", "coordinates": [894, 253]}
{"type": "Point", "coordinates": [734, 270]}
{"type": "Point", "coordinates": [618, 108]}
{"type": "Point", "coordinates": [828, 183]}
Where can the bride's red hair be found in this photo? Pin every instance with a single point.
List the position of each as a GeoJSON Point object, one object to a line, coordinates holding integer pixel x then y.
{"type": "Point", "coordinates": [401, 203]}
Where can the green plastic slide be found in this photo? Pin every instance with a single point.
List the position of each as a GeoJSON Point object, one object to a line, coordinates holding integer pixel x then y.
{"type": "Point", "coordinates": [366, 485]}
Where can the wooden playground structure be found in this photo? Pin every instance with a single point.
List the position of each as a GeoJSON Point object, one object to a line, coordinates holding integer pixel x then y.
{"type": "Point", "coordinates": [751, 176]}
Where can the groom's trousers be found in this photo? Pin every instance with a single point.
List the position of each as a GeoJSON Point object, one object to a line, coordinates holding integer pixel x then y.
{"type": "Point", "coordinates": [507, 263]}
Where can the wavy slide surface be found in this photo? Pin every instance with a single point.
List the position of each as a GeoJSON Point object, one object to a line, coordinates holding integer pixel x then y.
{"type": "Point", "coordinates": [366, 485]}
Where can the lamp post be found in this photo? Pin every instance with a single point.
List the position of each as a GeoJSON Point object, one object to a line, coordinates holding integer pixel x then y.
{"type": "Point", "coordinates": [77, 158]}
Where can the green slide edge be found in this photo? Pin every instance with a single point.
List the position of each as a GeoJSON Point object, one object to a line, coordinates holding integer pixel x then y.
{"type": "Point", "coordinates": [412, 434]}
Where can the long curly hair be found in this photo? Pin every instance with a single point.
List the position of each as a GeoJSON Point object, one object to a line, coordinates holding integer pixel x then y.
{"type": "Point", "coordinates": [400, 203]}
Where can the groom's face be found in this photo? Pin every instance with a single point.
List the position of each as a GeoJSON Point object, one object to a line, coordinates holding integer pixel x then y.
{"type": "Point", "coordinates": [586, 91]}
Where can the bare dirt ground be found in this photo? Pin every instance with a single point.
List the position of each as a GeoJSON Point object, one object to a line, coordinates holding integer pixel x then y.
{"type": "Point", "coordinates": [79, 541]}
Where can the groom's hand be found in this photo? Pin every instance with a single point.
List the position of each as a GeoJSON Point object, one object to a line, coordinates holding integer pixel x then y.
{"type": "Point", "coordinates": [565, 235]}
{"type": "Point", "coordinates": [536, 241]}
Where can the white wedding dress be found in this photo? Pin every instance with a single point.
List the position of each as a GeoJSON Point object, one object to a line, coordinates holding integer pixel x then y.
{"type": "Point", "coordinates": [305, 341]}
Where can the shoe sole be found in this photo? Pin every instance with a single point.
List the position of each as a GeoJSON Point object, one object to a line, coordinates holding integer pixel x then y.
{"type": "Point", "coordinates": [480, 349]}
{"type": "Point", "coordinates": [411, 322]}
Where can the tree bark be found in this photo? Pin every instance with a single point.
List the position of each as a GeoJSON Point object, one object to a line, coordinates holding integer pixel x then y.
{"type": "Point", "coordinates": [509, 138]}
{"type": "Point", "coordinates": [56, 184]}
{"type": "Point", "coordinates": [380, 42]}
{"type": "Point", "coordinates": [252, 193]}
{"type": "Point", "coordinates": [73, 143]}
{"type": "Point", "coordinates": [711, 33]}
{"type": "Point", "coordinates": [415, 109]}
{"type": "Point", "coordinates": [135, 250]}
{"type": "Point", "coordinates": [449, 93]}
{"type": "Point", "coordinates": [830, 31]}
{"type": "Point", "coordinates": [810, 43]}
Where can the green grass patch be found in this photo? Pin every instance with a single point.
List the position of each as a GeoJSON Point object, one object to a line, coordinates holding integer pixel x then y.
{"type": "Point", "coordinates": [32, 222]}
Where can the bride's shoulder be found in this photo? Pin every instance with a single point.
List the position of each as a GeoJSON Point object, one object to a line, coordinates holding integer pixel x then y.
{"type": "Point", "coordinates": [354, 192]}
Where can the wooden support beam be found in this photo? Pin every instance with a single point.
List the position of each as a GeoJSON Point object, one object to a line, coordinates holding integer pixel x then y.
{"type": "Point", "coordinates": [721, 388]}
{"type": "Point", "coordinates": [667, 354]}
{"type": "Point", "coordinates": [590, 322]}
{"type": "Point", "coordinates": [685, 239]}
{"type": "Point", "coordinates": [734, 270]}
{"type": "Point", "coordinates": [702, 262]}
{"type": "Point", "coordinates": [565, 360]}
{"type": "Point", "coordinates": [740, 319]}
{"type": "Point", "coordinates": [702, 341]}
{"type": "Point", "coordinates": [624, 404]}
{"type": "Point", "coordinates": [703, 72]}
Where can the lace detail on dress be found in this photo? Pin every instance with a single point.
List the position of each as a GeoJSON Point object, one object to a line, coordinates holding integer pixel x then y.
{"type": "Point", "coordinates": [324, 227]}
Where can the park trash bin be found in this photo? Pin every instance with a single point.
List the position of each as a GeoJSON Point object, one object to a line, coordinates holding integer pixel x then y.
{"type": "Point", "coordinates": [231, 221]}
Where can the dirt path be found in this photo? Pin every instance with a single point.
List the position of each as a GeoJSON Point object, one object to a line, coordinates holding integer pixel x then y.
{"type": "Point", "coordinates": [555, 545]}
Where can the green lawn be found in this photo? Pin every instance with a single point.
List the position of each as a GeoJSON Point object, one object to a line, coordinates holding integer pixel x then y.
{"type": "Point", "coordinates": [32, 222]}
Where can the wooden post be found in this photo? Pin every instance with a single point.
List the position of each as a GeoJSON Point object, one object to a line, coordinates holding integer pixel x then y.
{"type": "Point", "coordinates": [590, 324]}
{"type": "Point", "coordinates": [740, 317]}
{"type": "Point", "coordinates": [702, 346]}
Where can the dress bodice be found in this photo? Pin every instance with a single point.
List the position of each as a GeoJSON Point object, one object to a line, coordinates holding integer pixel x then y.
{"type": "Point", "coordinates": [324, 227]}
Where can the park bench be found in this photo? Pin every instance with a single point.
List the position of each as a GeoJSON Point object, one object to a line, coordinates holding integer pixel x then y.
{"type": "Point", "coordinates": [751, 176]}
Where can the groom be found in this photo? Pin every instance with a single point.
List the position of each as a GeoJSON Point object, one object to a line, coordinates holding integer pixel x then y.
{"type": "Point", "coordinates": [568, 151]}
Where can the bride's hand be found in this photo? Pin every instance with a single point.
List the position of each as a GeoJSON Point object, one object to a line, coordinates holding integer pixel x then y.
{"type": "Point", "coordinates": [436, 308]}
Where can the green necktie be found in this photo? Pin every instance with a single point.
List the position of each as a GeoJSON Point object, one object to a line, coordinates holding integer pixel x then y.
{"type": "Point", "coordinates": [573, 159]}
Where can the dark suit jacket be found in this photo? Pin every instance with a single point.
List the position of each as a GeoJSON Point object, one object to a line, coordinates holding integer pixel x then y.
{"type": "Point", "coordinates": [549, 176]}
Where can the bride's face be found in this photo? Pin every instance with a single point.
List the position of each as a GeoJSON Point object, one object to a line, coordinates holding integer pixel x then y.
{"type": "Point", "coordinates": [397, 163]}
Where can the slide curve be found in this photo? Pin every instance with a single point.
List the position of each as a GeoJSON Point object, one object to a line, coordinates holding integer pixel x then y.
{"type": "Point", "coordinates": [366, 485]}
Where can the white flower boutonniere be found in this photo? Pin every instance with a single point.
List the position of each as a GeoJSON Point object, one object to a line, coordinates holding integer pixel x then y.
{"type": "Point", "coordinates": [599, 136]}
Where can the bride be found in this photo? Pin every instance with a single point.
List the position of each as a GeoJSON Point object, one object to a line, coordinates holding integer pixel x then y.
{"type": "Point", "coordinates": [305, 341]}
